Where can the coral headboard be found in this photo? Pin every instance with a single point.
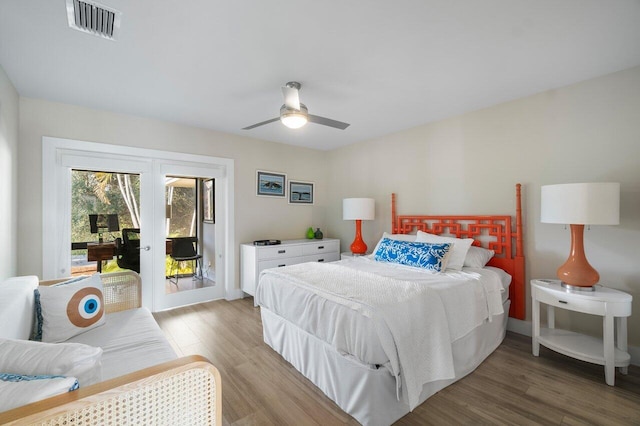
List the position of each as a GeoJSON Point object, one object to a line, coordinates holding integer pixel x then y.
{"type": "Point", "coordinates": [492, 232]}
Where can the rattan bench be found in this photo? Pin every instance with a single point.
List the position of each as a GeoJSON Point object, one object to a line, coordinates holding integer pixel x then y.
{"type": "Point", "coordinates": [185, 391]}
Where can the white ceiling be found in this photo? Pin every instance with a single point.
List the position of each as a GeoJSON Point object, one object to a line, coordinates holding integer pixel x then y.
{"type": "Point", "coordinates": [382, 66]}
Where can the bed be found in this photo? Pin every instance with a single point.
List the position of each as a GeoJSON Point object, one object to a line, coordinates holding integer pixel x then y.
{"type": "Point", "coordinates": [380, 338]}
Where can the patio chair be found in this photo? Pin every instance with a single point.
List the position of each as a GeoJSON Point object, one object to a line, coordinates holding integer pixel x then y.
{"type": "Point", "coordinates": [128, 249]}
{"type": "Point", "coordinates": [184, 249]}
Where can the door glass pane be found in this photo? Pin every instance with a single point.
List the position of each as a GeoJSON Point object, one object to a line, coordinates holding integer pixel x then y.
{"type": "Point", "coordinates": [185, 267]}
{"type": "Point", "coordinates": [103, 204]}
{"type": "Point", "coordinates": [181, 204]}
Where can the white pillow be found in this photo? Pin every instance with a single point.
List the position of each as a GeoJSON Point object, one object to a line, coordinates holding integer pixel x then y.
{"type": "Point", "coordinates": [59, 359]}
{"type": "Point", "coordinates": [19, 390]}
{"type": "Point", "coordinates": [478, 257]}
{"type": "Point", "coordinates": [16, 307]}
{"type": "Point", "coordinates": [399, 237]}
{"type": "Point", "coordinates": [71, 309]}
{"type": "Point", "coordinates": [458, 251]}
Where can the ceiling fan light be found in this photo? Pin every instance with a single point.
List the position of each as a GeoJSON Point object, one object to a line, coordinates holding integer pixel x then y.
{"type": "Point", "coordinates": [294, 120]}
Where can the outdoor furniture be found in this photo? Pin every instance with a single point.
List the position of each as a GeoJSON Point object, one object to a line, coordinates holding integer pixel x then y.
{"type": "Point", "coordinates": [128, 249]}
{"type": "Point", "coordinates": [184, 249]}
{"type": "Point", "coordinates": [99, 252]}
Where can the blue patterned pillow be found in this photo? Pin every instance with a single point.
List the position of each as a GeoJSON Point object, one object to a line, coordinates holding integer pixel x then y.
{"type": "Point", "coordinates": [7, 377]}
{"type": "Point", "coordinates": [432, 257]}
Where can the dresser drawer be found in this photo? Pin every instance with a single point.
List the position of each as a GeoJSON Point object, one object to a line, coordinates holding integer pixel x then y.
{"type": "Point", "coordinates": [277, 263]}
{"type": "Point", "coordinates": [279, 251]}
{"type": "Point", "coordinates": [254, 259]}
{"type": "Point", "coordinates": [572, 303]}
{"type": "Point", "coordinates": [321, 247]}
{"type": "Point", "coordinates": [326, 257]}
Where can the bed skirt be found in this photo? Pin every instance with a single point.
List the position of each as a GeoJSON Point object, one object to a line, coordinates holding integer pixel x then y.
{"type": "Point", "coordinates": [366, 393]}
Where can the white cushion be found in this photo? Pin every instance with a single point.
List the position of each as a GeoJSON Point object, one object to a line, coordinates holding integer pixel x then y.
{"type": "Point", "coordinates": [398, 237]}
{"type": "Point", "coordinates": [71, 309]}
{"type": "Point", "coordinates": [60, 359]}
{"type": "Point", "coordinates": [458, 250]}
{"type": "Point", "coordinates": [16, 307]}
{"type": "Point", "coordinates": [478, 257]}
{"type": "Point", "coordinates": [19, 390]}
{"type": "Point", "coordinates": [131, 340]}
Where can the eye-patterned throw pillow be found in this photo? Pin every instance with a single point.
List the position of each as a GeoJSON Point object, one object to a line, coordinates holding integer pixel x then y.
{"type": "Point", "coordinates": [432, 257]}
{"type": "Point", "coordinates": [71, 309]}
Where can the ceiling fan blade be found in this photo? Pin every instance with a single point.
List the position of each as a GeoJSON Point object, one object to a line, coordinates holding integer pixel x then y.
{"type": "Point", "coordinates": [291, 97]}
{"type": "Point", "coordinates": [328, 122]}
{"type": "Point", "coordinates": [253, 126]}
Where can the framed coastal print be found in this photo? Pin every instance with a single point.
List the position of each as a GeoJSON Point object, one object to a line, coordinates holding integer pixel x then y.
{"type": "Point", "coordinates": [300, 192]}
{"type": "Point", "coordinates": [270, 184]}
{"type": "Point", "coordinates": [208, 197]}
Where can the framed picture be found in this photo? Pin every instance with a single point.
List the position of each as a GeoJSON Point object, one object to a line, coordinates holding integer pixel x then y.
{"type": "Point", "coordinates": [208, 197]}
{"type": "Point", "coordinates": [300, 192]}
{"type": "Point", "coordinates": [270, 184]}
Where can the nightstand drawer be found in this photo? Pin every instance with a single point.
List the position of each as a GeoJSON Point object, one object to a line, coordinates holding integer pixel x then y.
{"type": "Point", "coordinates": [572, 303]}
{"type": "Point", "coordinates": [321, 247]}
{"type": "Point", "coordinates": [279, 251]}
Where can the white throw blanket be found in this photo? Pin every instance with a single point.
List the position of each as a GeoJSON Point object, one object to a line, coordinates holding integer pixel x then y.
{"type": "Point", "coordinates": [410, 318]}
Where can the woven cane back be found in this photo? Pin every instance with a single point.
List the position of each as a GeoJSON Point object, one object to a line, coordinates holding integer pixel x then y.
{"type": "Point", "coordinates": [189, 394]}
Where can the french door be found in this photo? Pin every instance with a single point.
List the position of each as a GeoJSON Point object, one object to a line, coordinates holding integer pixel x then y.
{"type": "Point", "coordinates": [61, 156]}
{"type": "Point", "coordinates": [208, 287]}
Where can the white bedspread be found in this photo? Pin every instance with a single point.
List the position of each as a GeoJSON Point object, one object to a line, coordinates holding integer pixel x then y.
{"type": "Point", "coordinates": [415, 315]}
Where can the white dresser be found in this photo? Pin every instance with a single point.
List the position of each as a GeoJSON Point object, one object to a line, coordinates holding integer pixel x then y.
{"type": "Point", "coordinates": [254, 259]}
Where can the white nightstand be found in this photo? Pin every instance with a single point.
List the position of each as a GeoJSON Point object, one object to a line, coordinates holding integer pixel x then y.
{"type": "Point", "coordinates": [608, 303]}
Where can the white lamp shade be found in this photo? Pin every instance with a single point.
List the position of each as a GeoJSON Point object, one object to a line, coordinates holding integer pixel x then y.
{"type": "Point", "coordinates": [581, 203]}
{"type": "Point", "coordinates": [358, 209]}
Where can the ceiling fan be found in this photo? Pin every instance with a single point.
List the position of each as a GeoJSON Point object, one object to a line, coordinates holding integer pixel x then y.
{"type": "Point", "coordinates": [294, 115]}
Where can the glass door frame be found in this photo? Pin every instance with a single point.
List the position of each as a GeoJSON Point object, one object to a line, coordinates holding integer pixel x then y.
{"type": "Point", "coordinates": [162, 300]}
{"type": "Point", "coordinates": [59, 156]}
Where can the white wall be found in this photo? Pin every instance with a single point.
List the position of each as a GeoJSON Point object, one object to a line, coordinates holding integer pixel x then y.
{"type": "Point", "coordinates": [469, 165]}
{"type": "Point", "coordinates": [9, 107]}
{"type": "Point", "coordinates": [256, 217]}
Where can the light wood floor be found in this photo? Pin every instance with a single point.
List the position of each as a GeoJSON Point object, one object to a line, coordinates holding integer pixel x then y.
{"type": "Point", "coordinates": [511, 387]}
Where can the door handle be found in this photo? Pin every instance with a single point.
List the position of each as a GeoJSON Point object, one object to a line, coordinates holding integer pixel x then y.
{"type": "Point", "coordinates": [145, 248]}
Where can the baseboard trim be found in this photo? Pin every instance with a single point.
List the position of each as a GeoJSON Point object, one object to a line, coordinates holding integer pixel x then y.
{"type": "Point", "coordinates": [234, 294]}
{"type": "Point", "coordinates": [524, 328]}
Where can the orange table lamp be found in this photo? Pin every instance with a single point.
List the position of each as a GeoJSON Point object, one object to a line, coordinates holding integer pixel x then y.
{"type": "Point", "coordinates": [579, 204]}
{"type": "Point", "coordinates": [358, 209]}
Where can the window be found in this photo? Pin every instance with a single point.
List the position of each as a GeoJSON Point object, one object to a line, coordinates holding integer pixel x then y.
{"type": "Point", "coordinates": [108, 195]}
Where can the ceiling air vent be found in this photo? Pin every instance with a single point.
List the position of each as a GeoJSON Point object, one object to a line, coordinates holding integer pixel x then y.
{"type": "Point", "coordinates": [93, 18]}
